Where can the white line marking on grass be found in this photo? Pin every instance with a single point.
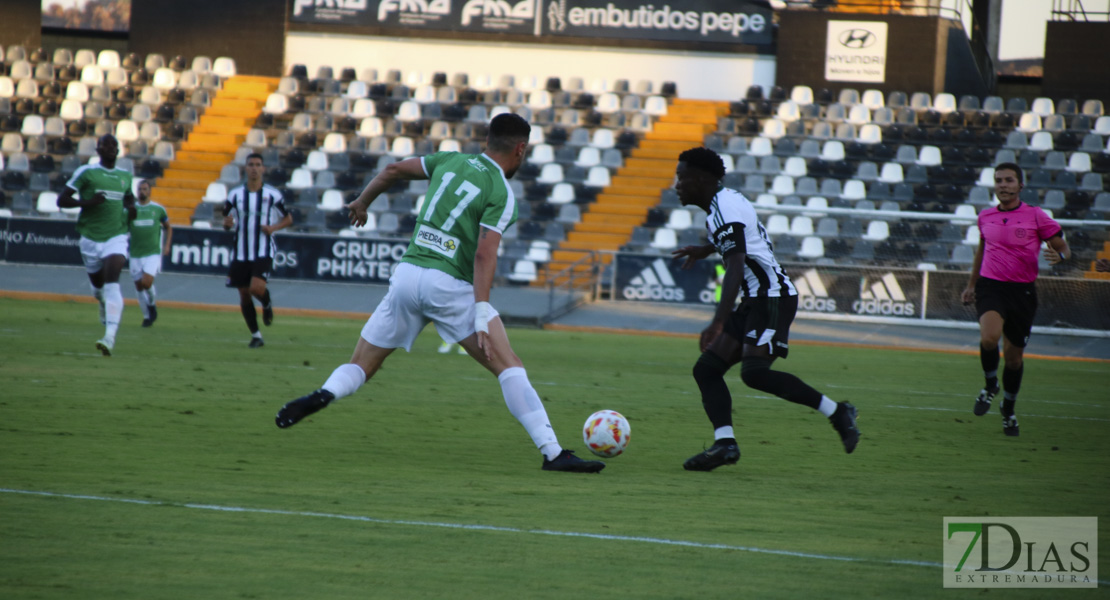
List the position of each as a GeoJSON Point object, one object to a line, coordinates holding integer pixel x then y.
{"type": "Point", "coordinates": [471, 527]}
{"type": "Point", "coordinates": [1023, 414]}
{"type": "Point", "coordinates": [493, 528]}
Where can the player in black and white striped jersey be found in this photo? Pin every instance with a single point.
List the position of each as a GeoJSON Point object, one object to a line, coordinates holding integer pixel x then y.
{"type": "Point", "coordinates": [255, 211]}
{"type": "Point", "coordinates": [756, 333]}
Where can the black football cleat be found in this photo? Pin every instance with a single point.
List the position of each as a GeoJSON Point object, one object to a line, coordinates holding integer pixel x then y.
{"type": "Point", "coordinates": [719, 454]}
{"type": "Point", "coordinates": [256, 343]}
{"type": "Point", "coordinates": [153, 314]}
{"type": "Point", "coordinates": [844, 422]}
{"type": "Point", "coordinates": [983, 402]}
{"type": "Point", "coordinates": [569, 463]}
{"type": "Point", "coordinates": [147, 322]}
{"type": "Point", "coordinates": [294, 411]}
{"type": "Point", "coordinates": [1010, 426]}
{"type": "Point", "coordinates": [267, 315]}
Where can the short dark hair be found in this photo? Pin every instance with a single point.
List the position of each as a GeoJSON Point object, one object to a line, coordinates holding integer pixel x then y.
{"type": "Point", "coordinates": [254, 155]}
{"type": "Point", "coordinates": [704, 159]}
{"type": "Point", "coordinates": [506, 130]}
{"type": "Point", "coordinates": [1011, 167]}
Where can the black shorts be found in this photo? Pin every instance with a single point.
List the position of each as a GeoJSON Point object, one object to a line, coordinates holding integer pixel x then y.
{"type": "Point", "coordinates": [240, 273]}
{"type": "Point", "coordinates": [764, 322]}
{"type": "Point", "coordinates": [1016, 302]}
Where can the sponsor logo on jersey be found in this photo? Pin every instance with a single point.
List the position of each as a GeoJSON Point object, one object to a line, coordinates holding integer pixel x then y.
{"type": "Point", "coordinates": [812, 294]}
{"type": "Point", "coordinates": [143, 222]}
{"type": "Point", "coordinates": [437, 241]}
{"type": "Point", "coordinates": [477, 164]}
{"type": "Point", "coordinates": [497, 10]}
{"type": "Point", "coordinates": [654, 283]}
{"type": "Point", "coordinates": [414, 10]}
{"type": "Point", "coordinates": [883, 297]}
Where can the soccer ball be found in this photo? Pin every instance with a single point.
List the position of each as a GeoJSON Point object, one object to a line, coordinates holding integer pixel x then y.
{"type": "Point", "coordinates": [606, 433]}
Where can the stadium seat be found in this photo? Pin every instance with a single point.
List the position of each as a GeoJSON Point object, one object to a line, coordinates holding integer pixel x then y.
{"type": "Point", "coordinates": [877, 231]}
{"type": "Point", "coordinates": [215, 193]}
{"type": "Point", "coordinates": [812, 248]}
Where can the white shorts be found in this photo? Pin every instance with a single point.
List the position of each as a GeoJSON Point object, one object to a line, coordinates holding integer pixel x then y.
{"type": "Point", "coordinates": [417, 296]}
{"type": "Point", "coordinates": [94, 253]}
{"type": "Point", "coordinates": [146, 265]}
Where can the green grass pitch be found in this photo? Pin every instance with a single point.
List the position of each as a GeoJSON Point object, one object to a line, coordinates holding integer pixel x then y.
{"type": "Point", "coordinates": [159, 473]}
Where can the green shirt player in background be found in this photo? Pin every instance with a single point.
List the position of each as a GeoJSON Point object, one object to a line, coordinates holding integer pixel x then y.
{"type": "Point", "coordinates": [148, 246]}
{"type": "Point", "coordinates": [445, 277]}
{"type": "Point", "coordinates": [103, 193]}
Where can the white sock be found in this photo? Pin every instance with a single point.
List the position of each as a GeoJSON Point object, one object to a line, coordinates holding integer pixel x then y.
{"type": "Point", "coordinates": [724, 433]}
{"type": "Point", "coordinates": [143, 304]}
{"type": "Point", "coordinates": [257, 334]}
{"type": "Point", "coordinates": [98, 293]}
{"type": "Point", "coordinates": [828, 407]}
{"type": "Point", "coordinates": [524, 404]}
{"type": "Point", "coordinates": [113, 309]}
{"type": "Point", "coordinates": [150, 295]}
{"type": "Point", "coordinates": [345, 380]}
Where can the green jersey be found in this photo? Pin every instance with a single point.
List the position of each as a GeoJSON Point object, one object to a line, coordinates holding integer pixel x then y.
{"type": "Point", "coordinates": [466, 192]}
{"type": "Point", "coordinates": [104, 221]}
{"type": "Point", "coordinates": [146, 230]}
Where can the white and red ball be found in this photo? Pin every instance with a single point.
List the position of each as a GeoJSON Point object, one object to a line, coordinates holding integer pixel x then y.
{"type": "Point", "coordinates": [606, 433]}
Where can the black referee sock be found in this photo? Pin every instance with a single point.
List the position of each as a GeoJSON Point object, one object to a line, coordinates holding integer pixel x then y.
{"type": "Point", "coordinates": [1011, 383]}
{"type": "Point", "coordinates": [709, 372]}
{"type": "Point", "coordinates": [249, 314]}
{"type": "Point", "coordinates": [989, 360]}
{"type": "Point", "coordinates": [757, 374]}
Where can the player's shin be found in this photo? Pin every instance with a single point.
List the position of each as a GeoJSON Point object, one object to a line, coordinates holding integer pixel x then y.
{"type": "Point", "coordinates": [709, 373]}
{"type": "Point", "coordinates": [757, 374]}
{"type": "Point", "coordinates": [345, 380]}
{"type": "Point", "coordinates": [113, 308]}
{"type": "Point", "coordinates": [524, 404]}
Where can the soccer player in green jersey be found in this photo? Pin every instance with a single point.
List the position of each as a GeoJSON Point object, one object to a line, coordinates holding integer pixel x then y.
{"type": "Point", "coordinates": [445, 277]}
{"type": "Point", "coordinates": [148, 246]}
{"type": "Point", "coordinates": [103, 193]}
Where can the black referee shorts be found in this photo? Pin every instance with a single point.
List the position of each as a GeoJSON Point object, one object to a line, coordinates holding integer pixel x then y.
{"type": "Point", "coordinates": [240, 272]}
{"type": "Point", "coordinates": [1015, 301]}
{"type": "Point", "coordinates": [764, 321]}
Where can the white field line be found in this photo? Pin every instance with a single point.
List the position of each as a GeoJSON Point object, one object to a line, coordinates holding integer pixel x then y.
{"type": "Point", "coordinates": [493, 528]}
{"type": "Point", "coordinates": [473, 527]}
{"type": "Point", "coordinates": [958, 410]}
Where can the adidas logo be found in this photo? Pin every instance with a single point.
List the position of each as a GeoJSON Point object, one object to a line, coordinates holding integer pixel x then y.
{"type": "Point", "coordinates": [883, 297]}
{"type": "Point", "coordinates": [812, 294]}
{"type": "Point", "coordinates": [654, 283]}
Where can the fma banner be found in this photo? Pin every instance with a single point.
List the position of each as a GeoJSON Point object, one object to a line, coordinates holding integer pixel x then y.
{"type": "Point", "coordinates": [712, 21]}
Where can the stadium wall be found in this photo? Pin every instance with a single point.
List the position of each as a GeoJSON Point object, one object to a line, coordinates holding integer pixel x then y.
{"type": "Point", "coordinates": [1075, 60]}
{"type": "Point", "coordinates": [250, 32]}
{"type": "Point", "coordinates": [921, 52]}
{"type": "Point", "coordinates": [21, 23]}
{"type": "Point", "coordinates": [702, 75]}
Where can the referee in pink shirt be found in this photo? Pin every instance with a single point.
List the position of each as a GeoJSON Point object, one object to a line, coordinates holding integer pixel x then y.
{"type": "Point", "coordinates": [1002, 285]}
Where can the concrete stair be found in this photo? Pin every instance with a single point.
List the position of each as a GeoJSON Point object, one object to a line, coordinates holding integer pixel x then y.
{"type": "Point", "coordinates": [211, 144]}
{"type": "Point", "coordinates": [635, 188]}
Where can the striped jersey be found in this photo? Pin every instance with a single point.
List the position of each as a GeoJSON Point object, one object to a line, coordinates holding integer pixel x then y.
{"type": "Point", "coordinates": [734, 227]}
{"type": "Point", "coordinates": [252, 210]}
{"type": "Point", "coordinates": [466, 192]}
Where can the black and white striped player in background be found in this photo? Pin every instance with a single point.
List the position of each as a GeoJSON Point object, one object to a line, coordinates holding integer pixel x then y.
{"type": "Point", "coordinates": [255, 211]}
{"type": "Point", "coordinates": [756, 333]}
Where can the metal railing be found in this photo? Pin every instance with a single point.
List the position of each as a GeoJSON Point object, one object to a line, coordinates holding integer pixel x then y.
{"type": "Point", "coordinates": [573, 286]}
{"type": "Point", "coordinates": [1075, 10]}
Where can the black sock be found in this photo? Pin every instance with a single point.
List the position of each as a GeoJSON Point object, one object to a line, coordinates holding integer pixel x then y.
{"type": "Point", "coordinates": [757, 374]}
{"type": "Point", "coordinates": [249, 314]}
{"type": "Point", "coordinates": [1011, 383]}
{"type": "Point", "coordinates": [709, 372]}
{"type": "Point", "coordinates": [989, 359]}
{"type": "Point", "coordinates": [265, 299]}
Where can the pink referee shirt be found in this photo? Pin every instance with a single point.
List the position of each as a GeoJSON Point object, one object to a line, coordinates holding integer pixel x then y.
{"type": "Point", "coordinates": [1012, 240]}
